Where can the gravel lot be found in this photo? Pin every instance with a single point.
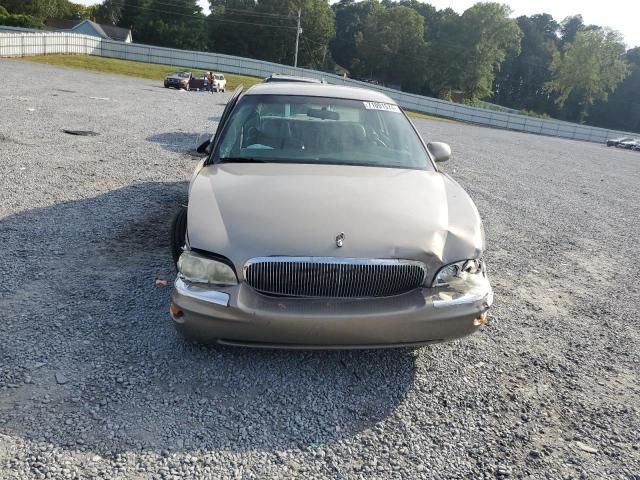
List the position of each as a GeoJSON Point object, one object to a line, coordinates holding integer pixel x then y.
{"type": "Point", "coordinates": [94, 382]}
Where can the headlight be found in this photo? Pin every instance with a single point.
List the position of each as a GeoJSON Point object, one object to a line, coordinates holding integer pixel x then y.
{"type": "Point", "coordinates": [458, 270]}
{"type": "Point", "coordinates": [198, 269]}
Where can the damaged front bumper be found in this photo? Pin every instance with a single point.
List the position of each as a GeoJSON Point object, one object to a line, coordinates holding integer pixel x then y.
{"type": "Point", "coordinates": [241, 316]}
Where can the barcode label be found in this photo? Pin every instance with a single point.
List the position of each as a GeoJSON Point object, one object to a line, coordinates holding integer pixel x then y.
{"type": "Point", "coordinates": [387, 107]}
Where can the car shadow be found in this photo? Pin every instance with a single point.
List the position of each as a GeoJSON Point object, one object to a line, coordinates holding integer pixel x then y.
{"type": "Point", "coordinates": [92, 362]}
{"type": "Point", "coordinates": [180, 142]}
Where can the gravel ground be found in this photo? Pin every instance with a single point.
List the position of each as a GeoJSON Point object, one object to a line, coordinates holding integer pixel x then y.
{"type": "Point", "coordinates": [94, 383]}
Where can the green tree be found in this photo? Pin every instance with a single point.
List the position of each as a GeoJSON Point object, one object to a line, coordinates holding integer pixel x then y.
{"type": "Point", "coordinates": [229, 26]}
{"type": "Point", "coordinates": [18, 20]}
{"type": "Point", "coordinates": [109, 12]}
{"type": "Point", "coordinates": [130, 13]}
{"type": "Point", "coordinates": [73, 11]}
{"type": "Point", "coordinates": [622, 109]}
{"type": "Point", "coordinates": [490, 34]}
{"type": "Point", "coordinates": [428, 12]}
{"type": "Point", "coordinates": [180, 26]}
{"type": "Point", "coordinates": [391, 47]}
{"type": "Point", "coordinates": [38, 8]}
{"type": "Point", "coordinates": [318, 28]}
{"type": "Point", "coordinates": [351, 17]}
{"type": "Point", "coordinates": [469, 49]}
{"type": "Point", "coordinates": [590, 67]}
{"type": "Point", "coordinates": [425, 10]}
{"type": "Point", "coordinates": [267, 30]}
{"type": "Point", "coordinates": [45, 9]}
{"type": "Point", "coordinates": [570, 28]}
{"type": "Point", "coordinates": [520, 82]}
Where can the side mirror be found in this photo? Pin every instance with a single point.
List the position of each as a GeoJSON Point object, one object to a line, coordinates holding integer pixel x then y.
{"type": "Point", "coordinates": [203, 144]}
{"type": "Point", "coordinates": [441, 152]}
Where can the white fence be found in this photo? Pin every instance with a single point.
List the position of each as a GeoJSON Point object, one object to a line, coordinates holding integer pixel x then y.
{"type": "Point", "coordinates": [15, 44]}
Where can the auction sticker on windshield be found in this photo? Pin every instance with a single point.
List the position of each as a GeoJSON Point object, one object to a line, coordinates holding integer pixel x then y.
{"type": "Point", "coordinates": [387, 107]}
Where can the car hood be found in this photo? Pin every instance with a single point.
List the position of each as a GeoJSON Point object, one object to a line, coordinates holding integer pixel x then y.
{"type": "Point", "coordinates": [243, 211]}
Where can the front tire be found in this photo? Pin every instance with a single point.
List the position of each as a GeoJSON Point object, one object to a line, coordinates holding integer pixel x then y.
{"type": "Point", "coordinates": [178, 233]}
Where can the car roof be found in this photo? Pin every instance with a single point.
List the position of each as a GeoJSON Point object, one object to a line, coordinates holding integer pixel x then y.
{"type": "Point", "coordinates": [279, 77]}
{"type": "Point", "coordinates": [319, 90]}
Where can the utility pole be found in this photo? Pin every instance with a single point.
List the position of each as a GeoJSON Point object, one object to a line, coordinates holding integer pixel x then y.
{"type": "Point", "coordinates": [298, 32]}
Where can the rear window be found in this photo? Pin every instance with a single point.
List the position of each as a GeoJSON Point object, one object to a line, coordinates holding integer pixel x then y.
{"type": "Point", "coordinates": [298, 129]}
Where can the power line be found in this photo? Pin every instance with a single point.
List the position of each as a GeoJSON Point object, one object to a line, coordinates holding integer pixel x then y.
{"type": "Point", "coordinates": [305, 46]}
{"type": "Point", "coordinates": [254, 12]}
{"type": "Point", "coordinates": [168, 3]}
{"type": "Point", "coordinates": [375, 46]}
{"type": "Point", "coordinates": [227, 12]}
{"type": "Point", "coordinates": [203, 17]}
{"type": "Point", "coordinates": [225, 20]}
{"type": "Point", "coordinates": [216, 18]}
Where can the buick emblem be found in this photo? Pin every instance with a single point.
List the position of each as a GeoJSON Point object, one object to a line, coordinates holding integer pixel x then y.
{"type": "Point", "coordinates": [340, 239]}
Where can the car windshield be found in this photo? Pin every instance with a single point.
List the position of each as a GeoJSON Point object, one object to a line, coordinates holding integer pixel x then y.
{"type": "Point", "coordinates": [219, 77]}
{"type": "Point", "coordinates": [180, 74]}
{"type": "Point", "coordinates": [298, 129]}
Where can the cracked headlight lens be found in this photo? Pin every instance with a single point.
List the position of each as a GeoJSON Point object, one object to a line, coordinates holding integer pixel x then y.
{"type": "Point", "coordinates": [458, 270]}
{"type": "Point", "coordinates": [199, 269]}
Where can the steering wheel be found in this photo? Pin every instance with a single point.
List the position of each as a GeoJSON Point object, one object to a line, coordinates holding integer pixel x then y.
{"type": "Point", "coordinates": [378, 140]}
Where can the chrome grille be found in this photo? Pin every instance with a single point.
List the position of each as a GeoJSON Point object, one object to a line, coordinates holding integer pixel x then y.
{"type": "Point", "coordinates": [333, 277]}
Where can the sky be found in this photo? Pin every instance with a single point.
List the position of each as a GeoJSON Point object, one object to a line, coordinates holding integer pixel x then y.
{"type": "Point", "coordinates": [621, 15]}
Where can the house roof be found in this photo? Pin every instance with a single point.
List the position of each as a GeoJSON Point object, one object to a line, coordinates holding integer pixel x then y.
{"type": "Point", "coordinates": [339, 69]}
{"type": "Point", "coordinates": [94, 25]}
{"type": "Point", "coordinates": [105, 31]}
{"type": "Point", "coordinates": [116, 33]}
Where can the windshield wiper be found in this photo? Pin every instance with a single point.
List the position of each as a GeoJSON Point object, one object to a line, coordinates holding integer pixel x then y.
{"type": "Point", "coordinates": [241, 160]}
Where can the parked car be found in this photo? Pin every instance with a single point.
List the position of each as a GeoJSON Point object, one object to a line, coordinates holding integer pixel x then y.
{"type": "Point", "coordinates": [631, 144]}
{"type": "Point", "coordinates": [614, 142]}
{"type": "Point", "coordinates": [181, 80]}
{"type": "Point", "coordinates": [319, 219]}
{"type": "Point", "coordinates": [219, 82]}
{"type": "Point", "coordinates": [198, 83]}
{"type": "Point", "coordinates": [277, 77]}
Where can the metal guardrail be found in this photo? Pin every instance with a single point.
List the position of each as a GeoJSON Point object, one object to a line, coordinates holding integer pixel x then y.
{"type": "Point", "coordinates": [16, 42]}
